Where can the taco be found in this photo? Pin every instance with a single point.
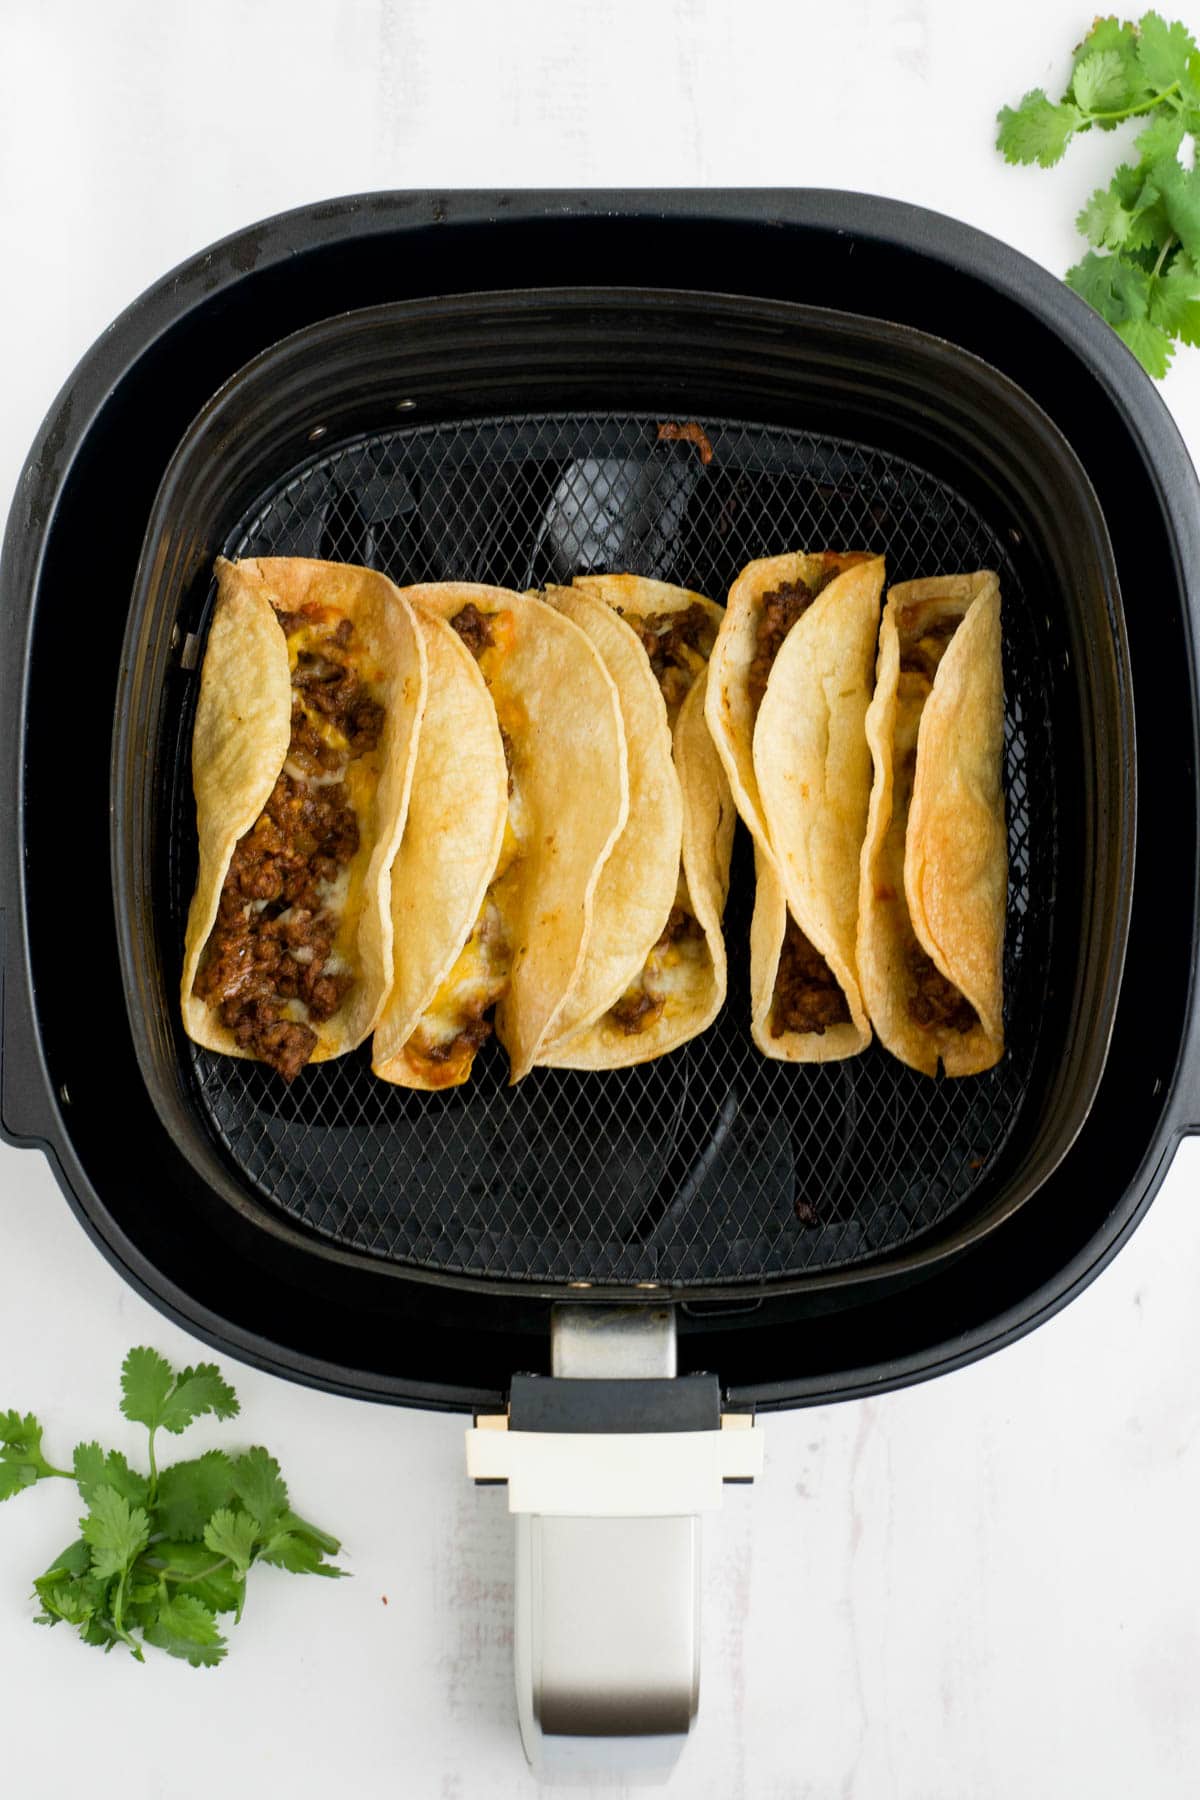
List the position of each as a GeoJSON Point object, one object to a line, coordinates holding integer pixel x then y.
{"type": "Point", "coordinates": [787, 697]}
{"type": "Point", "coordinates": [557, 722]}
{"type": "Point", "coordinates": [311, 695]}
{"type": "Point", "coordinates": [445, 939]}
{"type": "Point", "coordinates": [655, 972]}
{"type": "Point", "coordinates": [935, 859]}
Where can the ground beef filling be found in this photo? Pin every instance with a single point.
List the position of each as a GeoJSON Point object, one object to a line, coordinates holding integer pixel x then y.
{"type": "Point", "coordinates": [471, 1035]}
{"type": "Point", "coordinates": [778, 612]}
{"type": "Point", "coordinates": [666, 636]}
{"type": "Point", "coordinates": [474, 1028]}
{"type": "Point", "coordinates": [921, 655]}
{"type": "Point", "coordinates": [474, 628]}
{"type": "Point", "coordinates": [274, 935]}
{"type": "Point", "coordinates": [934, 1003]}
{"type": "Point", "coordinates": [807, 995]}
{"type": "Point", "coordinates": [638, 1008]}
{"type": "Point", "coordinates": [779, 609]}
{"type": "Point", "coordinates": [635, 1010]}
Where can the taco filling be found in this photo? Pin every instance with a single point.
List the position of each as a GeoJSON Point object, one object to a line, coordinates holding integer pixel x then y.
{"type": "Point", "coordinates": [678, 645]}
{"type": "Point", "coordinates": [671, 967]}
{"type": "Point", "coordinates": [453, 1027]}
{"type": "Point", "coordinates": [925, 628]}
{"type": "Point", "coordinates": [275, 962]}
{"type": "Point", "coordinates": [807, 996]}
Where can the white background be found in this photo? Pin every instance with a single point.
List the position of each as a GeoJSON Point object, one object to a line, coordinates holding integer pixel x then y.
{"type": "Point", "coordinates": [984, 1587]}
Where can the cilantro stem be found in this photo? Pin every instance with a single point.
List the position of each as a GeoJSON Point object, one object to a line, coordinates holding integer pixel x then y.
{"type": "Point", "coordinates": [1142, 106]}
{"type": "Point", "coordinates": [153, 1491]}
{"type": "Point", "coordinates": [1166, 250]}
{"type": "Point", "coordinates": [119, 1605]}
{"type": "Point", "coordinates": [193, 1574]}
{"type": "Point", "coordinates": [165, 1572]}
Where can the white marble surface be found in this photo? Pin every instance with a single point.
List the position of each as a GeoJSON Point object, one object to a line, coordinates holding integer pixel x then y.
{"type": "Point", "coordinates": [980, 1589]}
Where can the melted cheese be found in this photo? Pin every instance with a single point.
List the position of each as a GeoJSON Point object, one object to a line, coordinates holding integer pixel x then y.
{"type": "Point", "coordinates": [478, 979]}
{"type": "Point", "coordinates": [669, 972]}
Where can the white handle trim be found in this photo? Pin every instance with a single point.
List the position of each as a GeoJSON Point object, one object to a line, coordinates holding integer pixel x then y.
{"type": "Point", "coordinates": [614, 1475]}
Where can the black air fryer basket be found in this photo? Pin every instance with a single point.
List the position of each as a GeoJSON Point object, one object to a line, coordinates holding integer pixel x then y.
{"type": "Point", "coordinates": [338, 383]}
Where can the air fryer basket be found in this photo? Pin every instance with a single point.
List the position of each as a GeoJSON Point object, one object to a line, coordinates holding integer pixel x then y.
{"type": "Point", "coordinates": [442, 443]}
{"type": "Point", "coordinates": [117, 1115]}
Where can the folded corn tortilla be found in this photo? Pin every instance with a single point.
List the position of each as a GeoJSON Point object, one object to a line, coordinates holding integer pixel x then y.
{"type": "Point", "coordinates": [443, 920]}
{"type": "Point", "coordinates": [559, 725]}
{"type": "Point", "coordinates": [934, 863]}
{"type": "Point", "coordinates": [660, 976]}
{"type": "Point", "coordinates": [636, 890]}
{"type": "Point", "coordinates": [788, 689]}
{"type": "Point", "coordinates": [243, 747]}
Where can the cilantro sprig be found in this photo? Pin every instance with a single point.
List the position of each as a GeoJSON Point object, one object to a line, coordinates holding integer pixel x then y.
{"type": "Point", "coordinates": [1143, 271]}
{"type": "Point", "coordinates": [161, 1556]}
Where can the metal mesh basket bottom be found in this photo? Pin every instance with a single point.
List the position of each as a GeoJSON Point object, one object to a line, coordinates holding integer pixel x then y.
{"type": "Point", "coordinates": [713, 1164]}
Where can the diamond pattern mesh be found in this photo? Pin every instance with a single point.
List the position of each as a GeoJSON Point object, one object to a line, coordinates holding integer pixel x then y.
{"type": "Point", "coordinates": [712, 1165]}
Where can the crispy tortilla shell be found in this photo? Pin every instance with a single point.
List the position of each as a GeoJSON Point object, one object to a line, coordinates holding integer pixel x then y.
{"type": "Point", "coordinates": [690, 975]}
{"type": "Point", "coordinates": [695, 991]}
{"type": "Point", "coordinates": [558, 706]}
{"type": "Point", "coordinates": [800, 777]}
{"type": "Point", "coordinates": [451, 842]}
{"type": "Point", "coordinates": [934, 872]}
{"type": "Point", "coordinates": [636, 889]}
{"type": "Point", "coordinates": [240, 744]}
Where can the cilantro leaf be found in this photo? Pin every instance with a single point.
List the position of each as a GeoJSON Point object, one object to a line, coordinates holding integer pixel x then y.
{"type": "Point", "coordinates": [186, 1628]}
{"type": "Point", "coordinates": [293, 1522]}
{"type": "Point", "coordinates": [1101, 82]}
{"type": "Point", "coordinates": [163, 1556]}
{"type": "Point", "coordinates": [21, 1459]}
{"type": "Point", "coordinates": [233, 1535]}
{"type": "Point", "coordinates": [1104, 221]}
{"type": "Point", "coordinates": [1189, 83]}
{"type": "Point", "coordinates": [1117, 44]}
{"type": "Point", "coordinates": [153, 1395]}
{"type": "Point", "coordinates": [1127, 184]}
{"type": "Point", "coordinates": [93, 1468]}
{"type": "Point", "coordinates": [189, 1493]}
{"type": "Point", "coordinates": [1151, 346]}
{"type": "Point", "coordinates": [1036, 131]}
{"type": "Point", "coordinates": [260, 1487]}
{"type": "Point", "coordinates": [1163, 51]}
{"type": "Point", "coordinates": [1108, 34]}
{"type": "Point", "coordinates": [116, 1532]}
{"type": "Point", "coordinates": [1121, 293]}
{"type": "Point", "coordinates": [1161, 138]}
{"type": "Point", "coordinates": [72, 1602]}
{"type": "Point", "coordinates": [14, 1477]}
{"type": "Point", "coordinates": [1118, 291]}
{"type": "Point", "coordinates": [76, 1559]}
{"type": "Point", "coordinates": [1180, 190]}
{"type": "Point", "coordinates": [221, 1590]}
{"type": "Point", "coordinates": [298, 1554]}
{"type": "Point", "coordinates": [198, 1391]}
{"type": "Point", "coordinates": [1175, 301]}
{"type": "Point", "coordinates": [146, 1380]}
{"type": "Point", "coordinates": [20, 1438]}
{"type": "Point", "coordinates": [1149, 226]}
{"type": "Point", "coordinates": [100, 1631]}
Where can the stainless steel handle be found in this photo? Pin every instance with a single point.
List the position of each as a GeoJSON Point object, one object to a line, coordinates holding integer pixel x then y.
{"type": "Point", "coordinates": [607, 1602]}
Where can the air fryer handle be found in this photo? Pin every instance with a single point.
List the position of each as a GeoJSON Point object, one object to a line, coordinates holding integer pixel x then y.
{"type": "Point", "coordinates": [607, 1477]}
